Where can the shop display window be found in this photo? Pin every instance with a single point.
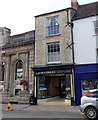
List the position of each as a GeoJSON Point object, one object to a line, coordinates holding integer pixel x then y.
{"type": "Point", "coordinates": [42, 83]}
{"type": "Point", "coordinates": [88, 85]}
{"type": "Point", "coordinates": [2, 76]}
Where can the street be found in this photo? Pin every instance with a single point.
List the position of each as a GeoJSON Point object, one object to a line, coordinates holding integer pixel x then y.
{"type": "Point", "coordinates": [42, 111]}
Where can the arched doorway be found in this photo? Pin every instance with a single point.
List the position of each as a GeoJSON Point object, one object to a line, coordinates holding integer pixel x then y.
{"type": "Point", "coordinates": [2, 75]}
{"type": "Point", "coordinates": [18, 76]}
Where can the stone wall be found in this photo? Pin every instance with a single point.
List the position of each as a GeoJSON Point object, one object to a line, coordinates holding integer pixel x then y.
{"type": "Point", "coordinates": [18, 47]}
{"type": "Point", "coordinates": [42, 39]}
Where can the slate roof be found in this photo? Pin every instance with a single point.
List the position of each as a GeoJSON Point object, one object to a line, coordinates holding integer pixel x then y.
{"type": "Point", "coordinates": [86, 10]}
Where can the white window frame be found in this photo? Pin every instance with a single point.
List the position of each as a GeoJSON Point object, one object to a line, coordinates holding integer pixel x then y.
{"type": "Point", "coordinates": [97, 52]}
{"type": "Point", "coordinates": [53, 25]}
{"type": "Point", "coordinates": [96, 27]}
{"type": "Point", "coordinates": [47, 54]}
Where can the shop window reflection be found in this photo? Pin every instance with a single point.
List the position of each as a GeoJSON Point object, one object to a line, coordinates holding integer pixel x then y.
{"type": "Point", "coordinates": [2, 76]}
{"type": "Point", "coordinates": [88, 85]}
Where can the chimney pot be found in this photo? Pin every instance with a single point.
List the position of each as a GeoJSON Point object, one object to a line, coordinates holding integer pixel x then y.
{"type": "Point", "coordinates": [74, 4]}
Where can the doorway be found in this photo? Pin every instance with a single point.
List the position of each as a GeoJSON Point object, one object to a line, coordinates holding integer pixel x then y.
{"type": "Point", "coordinates": [65, 87]}
{"type": "Point", "coordinates": [62, 87]}
{"type": "Point", "coordinates": [17, 91]}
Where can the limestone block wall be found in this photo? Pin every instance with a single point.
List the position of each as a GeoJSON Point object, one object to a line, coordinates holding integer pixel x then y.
{"type": "Point", "coordinates": [41, 38]}
{"type": "Point", "coordinates": [4, 34]}
{"type": "Point", "coordinates": [10, 58]}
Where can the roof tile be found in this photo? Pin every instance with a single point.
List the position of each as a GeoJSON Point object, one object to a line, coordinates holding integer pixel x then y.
{"type": "Point", "coordinates": [86, 10]}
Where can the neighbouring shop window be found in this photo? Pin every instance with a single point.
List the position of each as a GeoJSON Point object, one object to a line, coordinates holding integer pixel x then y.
{"type": "Point", "coordinates": [2, 75]}
{"type": "Point", "coordinates": [53, 52]}
{"type": "Point", "coordinates": [53, 25]}
{"type": "Point", "coordinates": [2, 71]}
{"type": "Point", "coordinates": [18, 76]}
{"type": "Point", "coordinates": [88, 85]}
{"type": "Point", "coordinates": [19, 70]}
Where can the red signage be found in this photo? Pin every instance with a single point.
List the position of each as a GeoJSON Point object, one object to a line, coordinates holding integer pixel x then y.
{"type": "Point", "coordinates": [17, 84]}
{"type": "Point", "coordinates": [1, 83]}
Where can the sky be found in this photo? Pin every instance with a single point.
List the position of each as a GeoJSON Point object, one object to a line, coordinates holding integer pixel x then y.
{"type": "Point", "coordinates": [18, 15]}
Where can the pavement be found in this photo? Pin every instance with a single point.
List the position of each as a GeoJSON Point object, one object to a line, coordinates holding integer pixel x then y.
{"type": "Point", "coordinates": [56, 104]}
{"type": "Point", "coordinates": [41, 111]}
{"type": "Point", "coordinates": [27, 107]}
{"type": "Point", "coordinates": [42, 103]}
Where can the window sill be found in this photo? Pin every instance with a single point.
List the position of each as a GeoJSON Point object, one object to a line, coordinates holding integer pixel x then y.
{"type": "Point", "coordinates": [95, 35]}
{"type": "Point", "coordinates": [56, 62]}
{"type": "Point", "coordinates": [53, 35]}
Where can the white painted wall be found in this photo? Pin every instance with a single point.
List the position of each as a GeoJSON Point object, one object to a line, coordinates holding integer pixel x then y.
{"type": "Point", "coordinates": [84, 41]}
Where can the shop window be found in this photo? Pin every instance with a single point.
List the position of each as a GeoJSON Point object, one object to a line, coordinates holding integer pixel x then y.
{"type": "Point", "coordinates": [2, 75]}
{"type": "Point", "coordinates": [42, 83]}
{"type": "Point", "coordinates": [2, 71]}
{"type": "Point", "coordinates": [53, 52]}
{"type": "Point", "coordinates": [43, 87]}
{"type": "Point", "coordinates": [68, 87]}
{"type": "Point", "coordinates": [88, 85]}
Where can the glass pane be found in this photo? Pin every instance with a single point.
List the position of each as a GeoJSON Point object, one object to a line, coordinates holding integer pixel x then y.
{"type": "Point", "coordinates": [52, 25]}
{"type": "Point", "coordinates": [53, 52]}
{"type": "Point", "coordinates": [93, 94]}
{"type": "Point", "coordinates": [88, 85]}
{"type": "Point", "coordinates": [2, 71]}
{"type": "Point", "coordinates": [19, 70]}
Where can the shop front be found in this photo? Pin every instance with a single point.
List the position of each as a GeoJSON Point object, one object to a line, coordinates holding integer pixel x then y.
{"type": "Point", "coordinates": [54, 86]}
{"type": "Point", "coordinates": [86, 78]}
{"type": "Point", "coordinates": [54, 81]}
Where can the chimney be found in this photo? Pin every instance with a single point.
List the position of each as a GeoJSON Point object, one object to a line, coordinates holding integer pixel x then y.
{"type": "Point", "coordinates": [74, 4]}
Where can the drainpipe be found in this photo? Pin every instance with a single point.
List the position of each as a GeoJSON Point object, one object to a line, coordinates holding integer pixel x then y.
{"type": "Point", "coordinates": [70, 23]}
{"type": "Point", "coordinates": [73, 81]}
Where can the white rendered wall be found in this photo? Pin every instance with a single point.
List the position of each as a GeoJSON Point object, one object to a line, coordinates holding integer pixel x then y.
{"type": "Point", "coordinates": [84, 41]}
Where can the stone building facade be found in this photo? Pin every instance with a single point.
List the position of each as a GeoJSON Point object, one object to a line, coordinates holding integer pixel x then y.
{"type": "Point", "coordinates": [16, 60]}
{"type": "Point", "coordinates": [53, 55]}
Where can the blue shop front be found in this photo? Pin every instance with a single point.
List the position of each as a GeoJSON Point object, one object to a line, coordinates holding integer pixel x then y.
{"type": "Point", "coordinates": [86, 78]}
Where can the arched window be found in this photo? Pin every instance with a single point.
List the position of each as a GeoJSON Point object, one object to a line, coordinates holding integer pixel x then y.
{"type": "Point", "coordinates": [19, 70]}
{"type": "Point", "coordinates": [2, 71]}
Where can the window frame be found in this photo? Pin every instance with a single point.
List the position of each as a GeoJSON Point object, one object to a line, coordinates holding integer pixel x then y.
{"type": "Point", "coordinates": [97, 52]}
{"type": "Point", "coordinates": [47, 54]}
{"type": "Point", "coordinates": [93, 94]}
{"type": "Point", "coordinates": [18, 72]}
{"type": "Point", "coordinates": [50, 26]}
{"type": "Point", "coordinates": [96, 27]}
{"type": "Point", "coordinates": [2, 67]}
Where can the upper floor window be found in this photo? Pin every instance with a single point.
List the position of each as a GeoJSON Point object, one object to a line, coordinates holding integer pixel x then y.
{"type": "Point", "coordinates": [97, 52]}
{"type": "Point", "coordinates": [53, 52]}
{"type": "Point", "coordinates": [53, 25]}
{"type": "Point", "coordinates": [97, 55]}
{"type": "Point", "coordinates": [96, 26]}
